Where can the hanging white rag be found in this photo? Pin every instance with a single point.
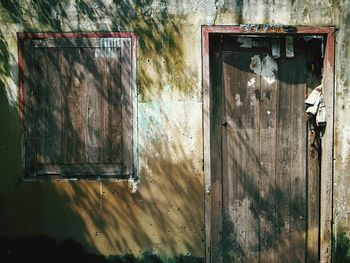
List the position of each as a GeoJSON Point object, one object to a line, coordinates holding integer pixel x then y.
{"type": "Point", "coordinates": [321, 112]}
{"type": "Point", "coordinates": [316, 106]}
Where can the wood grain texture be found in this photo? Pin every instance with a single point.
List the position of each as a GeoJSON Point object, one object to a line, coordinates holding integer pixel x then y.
{"type": "Point", "coordinates": [78, 106]}
{"type": "Point", "coordinates": [291, 172]}
{"type": "Point", "coordinates": [264, 164]}
{"type": "Point", "coordinates": [240, 160]}
{"type": "Point", "coordinates": [267, 172]}
{"type": "Point", "coordinates": [287, 202]}
{"type": "Point", "coordinates": [326, 219]}
{"type": "Point", "coordinates": [111, 98]}
{"type": "Point", "coordinates": [216, 167]}
{"type": "Point", "coordinates": [49, 106]}
{"type": "Point", "coordinates": [127, 108]}
{"type": "Point", "coordinates": [314, 172]}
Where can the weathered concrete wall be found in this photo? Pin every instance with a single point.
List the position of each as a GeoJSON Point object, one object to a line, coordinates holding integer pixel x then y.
{"type": "Point", "coordinates": [166, 213]}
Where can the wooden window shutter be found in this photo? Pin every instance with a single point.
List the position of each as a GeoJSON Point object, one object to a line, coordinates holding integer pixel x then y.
{"type": "Point", "coordinates": [78, 107]}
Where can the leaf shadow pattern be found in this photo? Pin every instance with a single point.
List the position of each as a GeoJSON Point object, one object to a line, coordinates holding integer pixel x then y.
{"type": "Point", "coordinates": [166, 213]}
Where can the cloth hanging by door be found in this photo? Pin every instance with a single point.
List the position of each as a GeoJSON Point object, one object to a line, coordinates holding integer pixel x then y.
{"type": "Point", "coordinates": [316, 106]}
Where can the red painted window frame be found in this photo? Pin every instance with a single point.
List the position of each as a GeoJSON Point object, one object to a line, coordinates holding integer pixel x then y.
{"type": "Point", "coordinates": [22, 36]}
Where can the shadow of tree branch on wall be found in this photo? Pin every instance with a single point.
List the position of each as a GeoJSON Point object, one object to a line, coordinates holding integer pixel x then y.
{"type": "Point", "coordinates": [166, 213]}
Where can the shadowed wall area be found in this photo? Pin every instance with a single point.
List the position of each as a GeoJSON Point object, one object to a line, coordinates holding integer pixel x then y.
{"type": "Point", "coordinates": [164, 210]}
{"type": "Point", "coordinates": [164, 213]}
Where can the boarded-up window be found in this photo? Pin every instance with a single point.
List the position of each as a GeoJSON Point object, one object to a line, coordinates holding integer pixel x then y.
{"type": "Point", "coordinates": [77, 103]}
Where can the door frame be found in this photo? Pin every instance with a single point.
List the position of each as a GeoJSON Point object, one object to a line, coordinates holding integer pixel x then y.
{"type": "Point", "coordinates": [212, 195]}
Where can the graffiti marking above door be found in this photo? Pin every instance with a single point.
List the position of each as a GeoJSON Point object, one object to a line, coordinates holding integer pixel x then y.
{"type": "Point", "coordinates": [266, 28]}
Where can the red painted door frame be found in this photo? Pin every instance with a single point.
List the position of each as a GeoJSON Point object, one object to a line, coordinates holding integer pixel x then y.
{"type": "Point", "coordinates": [326, 192]}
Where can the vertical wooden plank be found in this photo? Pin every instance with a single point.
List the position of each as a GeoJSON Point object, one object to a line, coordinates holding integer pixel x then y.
{"type": "Point", "coordinates": [91, 78]}
{"type": "Point", "coordinates": [108, 90]}
{"type": "Point", "coordinates": [134, 95]}
{"type": "Point", "coordinates": [298, 157]}
{"type": "Point", "coordinates": [127, 108]}
{"type": "Point", "coordinates": [291, 173]}
{"type": "Point", "coordinates": [240, 159]}
{"type": "Point", "coordinates": [216, 154]}
{"type": "Point", "coordinates": [49, 106]}
{"type": "Point", "coordinates": [113, 114]}
{"type": "Point", "coordinates": [103, 66]}
{"type": "Point", "coordinates": [327, 154]}
{"type": "Point", "coordinates": [313, 201]}
{"type": "Point", "coordinates": [313, 178]}
{"type": "Point", "coordinates": [75, 105]}
{"type": "Point", "coordinates": [267, 171]}
{"type": "Point", "coordinates": [231, 247]}
{"type": "Point", "coordinates": [230, 243]}
{"type": "Point", "coordinates": [249, 138]}
{"type": "Point", "coordinates": [283, 166]}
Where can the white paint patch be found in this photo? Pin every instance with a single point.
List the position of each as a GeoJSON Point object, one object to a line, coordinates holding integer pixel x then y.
{"type": "Point", "coordinates": [251, 82]}
{"type": "Point", "coordinates": [289, 47]}
{"type": "Point", "coordinates": [255, 64]}
{"type": "Point", "coordinates": [170, 129]}
{"type": "Point", "coordinates": [252, 100]}
{"type": "Point", "coordinates": [108, 47]}
{"type": "Point", "coordinates": [240, 214]}
{"type": "Point", "coordinates": [265, 68]}
{"type": "Point", "coordinates": [268, 112]}
{"type": "Point", "coordinates": [238, 100]}
{"type": "Point", "coordinates": [133, 185]}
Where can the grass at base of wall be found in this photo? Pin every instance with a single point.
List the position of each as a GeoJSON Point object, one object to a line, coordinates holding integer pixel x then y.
{"type": "Point", "coordinates": [40, 249]}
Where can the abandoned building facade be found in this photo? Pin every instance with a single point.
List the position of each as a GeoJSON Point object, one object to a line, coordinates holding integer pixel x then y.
{"type": "Point", "coordinates": [217, 129]}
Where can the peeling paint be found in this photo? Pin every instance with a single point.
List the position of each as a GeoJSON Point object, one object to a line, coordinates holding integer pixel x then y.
{"type": "Point", "coordinates": [108, 47]}
{"type": "Point", "coordinates": [267, 67]}
{"type": "Point", "coordinates": [251, 83]}
{"type": "Point", "coordinates": [238, 100]}
{"type": "Point", "coordinates": [241, 235]}
{"type": "Point", "coordinates": [253, 100]}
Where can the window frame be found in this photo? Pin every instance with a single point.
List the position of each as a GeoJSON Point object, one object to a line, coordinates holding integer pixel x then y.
{"type": "Point", "coordinates": [133, 150]}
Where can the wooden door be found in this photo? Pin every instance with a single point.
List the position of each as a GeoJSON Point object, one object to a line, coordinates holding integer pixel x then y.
{"type": "Point", "coordinates": [269, 182]}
